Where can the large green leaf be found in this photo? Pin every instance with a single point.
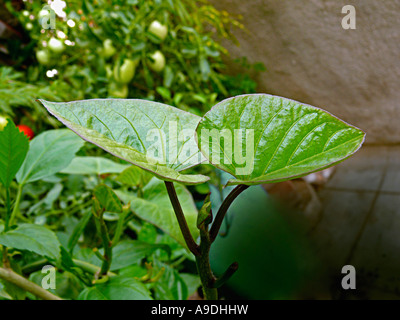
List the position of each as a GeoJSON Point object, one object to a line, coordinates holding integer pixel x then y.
{"type": "Point", "coordinates": [33, 238]}
{"type": "Point", "coordinates": [261, 138]}
{"type": "Point", "coordinates": [13, 148]}
{"type": "Point", "coordinates": [50, 152]}
{"type": "Point", "coordinates": [94, 165]}
{"type": "Point", "coordinates": [117, 288]}
{"type": "Point", "coordinates": [155, 207]}
{"type": "Point", "coordinates": [153, 136]}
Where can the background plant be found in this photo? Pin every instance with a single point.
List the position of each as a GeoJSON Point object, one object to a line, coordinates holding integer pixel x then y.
{"type": "Point", "coordinates": [76, 213]}
{"type": "Point", "coordinates": [97, 39]}
{"type": "Point", "coordinates": [94, 41]}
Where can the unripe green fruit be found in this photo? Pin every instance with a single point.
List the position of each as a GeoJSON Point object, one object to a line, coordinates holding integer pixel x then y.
{"type": "Point", "coordinates": [157, 61]}
{"type": "Point", "coordinates": [108, 49]}
{"type": "Point", "coordinates": [118, 91]}
{"type": "Point", "coordinates": [43, 57]}
{"type": "Point", "coordinates": [158, 29]}
{"type": "Point", "coordinates": [125, 73]}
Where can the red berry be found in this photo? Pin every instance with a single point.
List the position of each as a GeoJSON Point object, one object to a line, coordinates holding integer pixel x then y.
{"type": "Point", "coordinates": [26, 130]}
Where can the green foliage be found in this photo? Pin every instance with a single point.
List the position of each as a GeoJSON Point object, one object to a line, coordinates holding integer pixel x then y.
{"type": "Point", "coordinates": [49, 153]}
{"type": "Point", "coordinates": [112, 49]}
{"type": "Point", "coordinates": [15, 92]}
{"type": "Point", "coordinates": [32, 238]}
{"type": "Point", "coordinates": [94, 165]}
{"type": "Point", "coordinates": [118, 288]}
{"type": "Point", "coordinates": [108, 227]}
{"type": "Point", "coordinates": [62, 203]}
{"type": "Point", "coordinates": [94, 210]}
{"type": "Point", "coordinates": [154, 206]}
{"type": "Point", "coordinates": [107, 198]}
{"type": "Point", "coordinates": [131, 252]}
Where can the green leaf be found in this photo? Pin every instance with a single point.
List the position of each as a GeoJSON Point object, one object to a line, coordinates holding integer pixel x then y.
{"type": "Point", "coordinates": [134, 176]}
{"type": "Point", "coordinates": [14, 292]}
{"type": "Point", "coordinates": [150, 135]}
{"type": "Point", "coordinates": [204, 217]}
{"type": "Point", "coordinates": [14, 146]}
{"type": "Point", "coordinates": [129, 252]}
{"type": "Point", "coordinates": [192, 282]}
{"type": "Point", "coordinates": [3, 292]}
{"type": "Point", "coordinates": [50, 152]}
{"type": "Point", "coordinates": [78, 230]}
{"type": "Point", "coordinates": [107, 198]}
{"type": "Point", "coordinates": [33, 238]}
{"type": "Point", "coordinates": [261, 139]}
{"type": "Point", "coordinates": [155, 207]}
{"type": "Point", "coordinates": [93, 165]}
{"type": "Point", "coordinates": [117, 288]}
{"type": "Point", "coordinates": [171, 286]}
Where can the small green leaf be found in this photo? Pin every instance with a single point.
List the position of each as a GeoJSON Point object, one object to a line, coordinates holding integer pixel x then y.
{"type": "Point", "coordinates": [78, 230]}
{"type": "Point", "coordinates": [129, 252]}
{"type": "Point", "coordinates": [33, 238]}
{"type": "Point", "coordinates": [117, 288]}
{"type": "Point", "coordinates": [14, 146]}
{"type": "Point", "coordinates": [50, 152]}
{"type": "Point", "coordinates": [260, 138]}
{"type": "Point", "coordinates": [155, 207]}
{"type": "Point", "coordinates": [134, 176]}
{"type": "Point", "coordinates": [93, 165]}
{"type": "Point", "coordinates": [107, 198]}
{"type": "Point", "coordinates": [154, 136]}
{"type": "Point", "coordinates": [205, 215]}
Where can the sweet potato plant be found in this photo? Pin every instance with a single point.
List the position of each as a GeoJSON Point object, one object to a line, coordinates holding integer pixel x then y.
{"type": "Point", "coordinates": [256, 138]}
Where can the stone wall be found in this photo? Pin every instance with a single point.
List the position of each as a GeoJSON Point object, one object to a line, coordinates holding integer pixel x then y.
{"type": "Point", "coordinates": [354, 74]}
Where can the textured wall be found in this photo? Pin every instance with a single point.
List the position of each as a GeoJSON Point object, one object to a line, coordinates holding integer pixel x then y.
{"type": "Point", "coordinates": [354, 74]}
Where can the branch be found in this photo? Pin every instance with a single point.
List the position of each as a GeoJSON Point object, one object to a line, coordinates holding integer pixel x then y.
{"type": "Point", "coordinates": [223, 209]}
{"type": "Point", "coordinates": [226, 276]}
{"type": "Point", "coordinates": [14, 278]}
{"type": "Point", "coordinates": [192, 245]}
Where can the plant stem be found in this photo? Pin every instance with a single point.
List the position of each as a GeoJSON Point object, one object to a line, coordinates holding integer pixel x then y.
{"type": "Point", "coordinates": [107, 244]}
{"type": "Point", "coordinates": [5, 261]}
{"type": "Point", "coordinates": [226, 275]}
{"type": "Point", "coordinates": [16, 205]}
{"type": "Point", "coordinates": [16, 279]}
{"type": "Point", "coordinates": [204, 268]}
{"type": "Point", "coordinates": [202, 253]}
{"type": "Point", "coordinates": [34, 266]}
{"type": "Point", "coordinates": [192, 245]}
{"type": "Point", "coordinates": [8, 212]}
{"type": "Point", "coordinates": [90, 268]}
{"type": "Point", "coordinates": [223, 209]}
